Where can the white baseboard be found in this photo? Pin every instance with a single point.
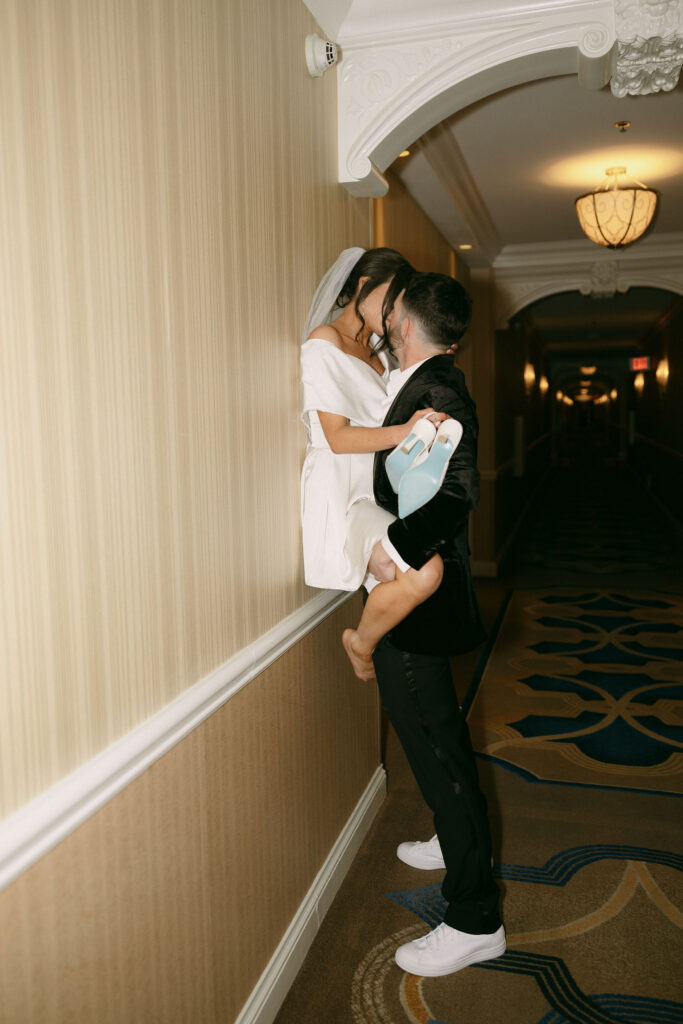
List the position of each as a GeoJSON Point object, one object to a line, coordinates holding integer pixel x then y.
{"type": "Point", "coordinates": [33, 830]}
{"type": "Point", "coordinates": [269, 993]}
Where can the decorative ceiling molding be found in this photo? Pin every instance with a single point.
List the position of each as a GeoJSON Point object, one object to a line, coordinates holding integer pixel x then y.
{"type": "Point", "coordinates": [395, 85]}
{"type": "Point", "coordinates": [649, 50]}
{"type": "Point", "coordinates": [448, 163]}
{"type": "Point", "coordinates": [527, 273]}
{"type": "Point", "coordinates": [603, 280]}
{"type": "Point", "coordinates": [664, 248]}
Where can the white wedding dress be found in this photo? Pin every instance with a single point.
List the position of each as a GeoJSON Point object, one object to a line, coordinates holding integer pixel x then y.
{"type": "Point", "coordinates": [340, 520]}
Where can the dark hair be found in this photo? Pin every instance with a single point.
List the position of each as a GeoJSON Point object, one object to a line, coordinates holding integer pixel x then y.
{"type": "Point", "coordinates": [440, 307]}
{"type": "Point", "coordinates": [379, 266]}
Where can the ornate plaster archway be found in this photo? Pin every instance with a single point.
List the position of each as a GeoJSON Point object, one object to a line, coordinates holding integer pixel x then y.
{"type": "Point", "coordinates": [395, 83]}
{"type": "Point", "coordinates": [524, 274]}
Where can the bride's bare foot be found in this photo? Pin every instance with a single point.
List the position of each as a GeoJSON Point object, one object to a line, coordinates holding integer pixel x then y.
{"type": "Point", "coordinates": [362, 663]}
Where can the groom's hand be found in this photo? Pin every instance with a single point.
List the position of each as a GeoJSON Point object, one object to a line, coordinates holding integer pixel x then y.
{"type": "Point", "coordinates": [382, 567]}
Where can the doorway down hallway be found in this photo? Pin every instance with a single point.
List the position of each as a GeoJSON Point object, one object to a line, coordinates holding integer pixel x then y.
{"type": "Point", "coordinates": [575, 707]}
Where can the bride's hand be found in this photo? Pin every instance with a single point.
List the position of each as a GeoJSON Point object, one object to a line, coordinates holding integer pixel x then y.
{"type": "Point", "coordinates": [435, 417]}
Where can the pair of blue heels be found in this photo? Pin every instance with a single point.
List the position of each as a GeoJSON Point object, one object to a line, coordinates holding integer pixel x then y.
{"type": "Point", "coordinates": [416, 467]}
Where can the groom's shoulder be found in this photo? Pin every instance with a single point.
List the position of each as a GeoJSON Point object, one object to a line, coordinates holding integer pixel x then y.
{"type": "Point", "coordinates": [445, 369]}
{"type": "Point", "coordinates": [440, 370]}
{"type": "Point", "coordinates": [443, 386]}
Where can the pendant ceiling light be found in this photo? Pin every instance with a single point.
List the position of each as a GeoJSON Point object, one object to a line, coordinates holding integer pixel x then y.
{"type": "Point", "coordinates": [617, 215]}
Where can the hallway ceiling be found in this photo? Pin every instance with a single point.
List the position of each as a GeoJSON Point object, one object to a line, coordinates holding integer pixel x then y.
{"type": "Point", "coordinates": [502, 174]}
{"type": "Point", "coordinates": [533, 149]}
{"type": "Point", "coordinates": [530, 151]}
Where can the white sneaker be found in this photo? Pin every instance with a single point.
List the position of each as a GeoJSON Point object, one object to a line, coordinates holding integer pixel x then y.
{"type": "Point", "coordinates": [427, 856]}
{"type": "Point", "coordinates": [446, 950]}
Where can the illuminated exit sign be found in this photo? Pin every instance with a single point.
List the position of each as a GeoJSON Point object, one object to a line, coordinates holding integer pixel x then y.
{"type": "Point", "coordinates": [640, 363]}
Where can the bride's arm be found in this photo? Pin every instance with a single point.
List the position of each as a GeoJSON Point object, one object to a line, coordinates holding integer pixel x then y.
{"type": "Point", "coordinates": [344, 439]}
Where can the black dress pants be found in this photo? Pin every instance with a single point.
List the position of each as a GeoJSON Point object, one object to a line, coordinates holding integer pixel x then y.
{"type": "Point", "coordinates": [418, 694]}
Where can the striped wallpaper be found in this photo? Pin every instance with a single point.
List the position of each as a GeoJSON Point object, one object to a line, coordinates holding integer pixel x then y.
{"type": "Point", "coordinates": [168, 200]}
{"type": "Point", "coordinates": [403, 225]}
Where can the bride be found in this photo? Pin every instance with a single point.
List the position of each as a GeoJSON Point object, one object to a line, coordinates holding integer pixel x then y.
{"type": "Point", "coordinates": [345, 369]}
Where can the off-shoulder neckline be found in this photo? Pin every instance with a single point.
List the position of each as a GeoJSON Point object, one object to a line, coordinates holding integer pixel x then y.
{"type": "Point", "coordinates": [372, 370]}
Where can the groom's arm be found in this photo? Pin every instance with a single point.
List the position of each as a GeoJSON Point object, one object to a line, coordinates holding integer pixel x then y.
{"type": "Point", "coordinates": [421, 534]}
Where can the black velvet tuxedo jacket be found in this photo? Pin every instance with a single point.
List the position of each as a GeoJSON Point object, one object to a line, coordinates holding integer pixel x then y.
{"type": "Point", "coordinates": [449, 622]}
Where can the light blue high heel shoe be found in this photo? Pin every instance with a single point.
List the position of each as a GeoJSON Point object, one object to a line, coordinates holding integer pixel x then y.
{"type": "Point", "coordinates": [420, 483]}
{"type": "Point", "coordinates": [405, 453]}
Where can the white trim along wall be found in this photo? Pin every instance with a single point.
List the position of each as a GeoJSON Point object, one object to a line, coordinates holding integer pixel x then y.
{"type": "Point", "coordinates": [269, 992]}
{"type": "Point", "coordinates": [40, 825]}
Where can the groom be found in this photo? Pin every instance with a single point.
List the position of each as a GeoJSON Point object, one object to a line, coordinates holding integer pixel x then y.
{"type": "Point", "coordinates": [412, 661]}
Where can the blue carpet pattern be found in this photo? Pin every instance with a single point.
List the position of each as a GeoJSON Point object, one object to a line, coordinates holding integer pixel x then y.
{"type": "Point", "coordinates": [568, 1003]}
{"type": "Point", "coordinates": [588, 688]}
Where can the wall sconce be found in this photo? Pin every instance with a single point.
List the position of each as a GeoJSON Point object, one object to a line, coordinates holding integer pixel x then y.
{"type": "Point", "coordinates": [559, 395]}
{"type": "Point", "coordinates": [614, 394]}
{"type": "Point", "coordinates": [543, 385]}
{"type": "Point", "coordinates": [639, 383]}
{"type": "Point", "coordinates": [567, 400]}
{"type": "Point", "coordinates": [529, 377]}
{"type": "Point", "coordinates": [587, 370]}
{"type": "Point", "coordinates": [662, 373]}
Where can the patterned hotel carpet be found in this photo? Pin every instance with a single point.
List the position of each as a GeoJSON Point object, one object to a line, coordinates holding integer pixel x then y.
{"type": "Point", "coordinates": [586, 686]}
{"type": "Point", "coordinates": [581, 698]}
{"type": "Point", "coordinates": [596, 521]}
{"type": "Point", "coordinates": [576, 710]}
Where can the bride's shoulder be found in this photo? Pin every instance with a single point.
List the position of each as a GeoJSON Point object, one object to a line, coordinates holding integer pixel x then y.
{"type": "Point", "coordinates": [326, 333]}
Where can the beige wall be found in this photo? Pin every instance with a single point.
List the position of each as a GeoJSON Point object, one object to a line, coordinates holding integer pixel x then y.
{"type": "Point", "coordinates": [401, 224]}
{"type": "Point", "coordinates": [168, 200]}
{"type": "Point", "coordinates": [514, 348]}
{"type": "Point", "coordinates": [168, 903]}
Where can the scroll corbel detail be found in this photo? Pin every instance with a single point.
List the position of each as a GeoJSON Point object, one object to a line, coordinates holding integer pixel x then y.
{"type": "Point", "coordinates": [649, 50]}
{"type": "Point", "coordinates": [603, 280]}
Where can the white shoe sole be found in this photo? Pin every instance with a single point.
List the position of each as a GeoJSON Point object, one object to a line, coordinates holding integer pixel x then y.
{"type": "Point", "coordinates": [410, 855]}
{"type": "Point", "coordinates": [407, 963]}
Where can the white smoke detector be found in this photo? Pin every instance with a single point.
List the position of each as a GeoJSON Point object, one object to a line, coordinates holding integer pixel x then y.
{"type": "Point", "coordinates": [321, 54]}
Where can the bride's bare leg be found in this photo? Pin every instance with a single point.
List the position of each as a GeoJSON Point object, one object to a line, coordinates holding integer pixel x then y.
{"type": "Point", "coordinates": [386, 606]}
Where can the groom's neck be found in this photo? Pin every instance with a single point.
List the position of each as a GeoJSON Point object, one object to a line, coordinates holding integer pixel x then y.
{"type": "Point", "coordinates": [409, 355]}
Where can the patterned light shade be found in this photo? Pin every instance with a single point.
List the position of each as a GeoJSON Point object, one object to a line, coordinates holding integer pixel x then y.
{"type": "Point", "coordinates": [616, 216]}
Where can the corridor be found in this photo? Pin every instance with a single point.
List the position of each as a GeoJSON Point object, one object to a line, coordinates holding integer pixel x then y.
{"type": "Point", "coordinates": [576, 711]}
{"type": "Point", "coordinates": [188, 765]}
